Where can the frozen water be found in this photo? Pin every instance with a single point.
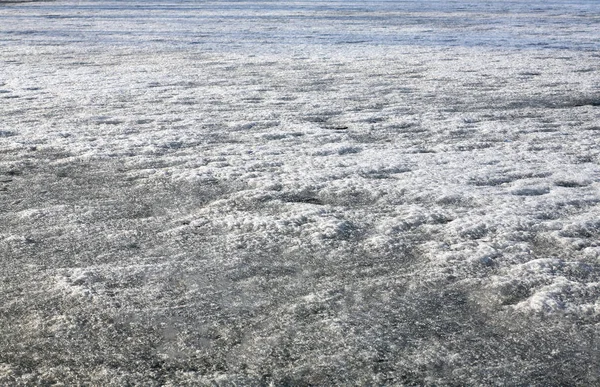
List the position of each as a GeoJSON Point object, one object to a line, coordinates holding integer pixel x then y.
{"type": "Point", "coordinates": [300, 192]}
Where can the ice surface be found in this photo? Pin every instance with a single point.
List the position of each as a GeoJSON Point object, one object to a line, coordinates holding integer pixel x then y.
{"type": "Point", "coordinates": [300, 192]}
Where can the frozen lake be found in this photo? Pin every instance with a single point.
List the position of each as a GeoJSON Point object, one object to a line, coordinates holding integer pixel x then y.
{"type": "Point", "coordinates": [276, 26]}
{"type": "Point", "coordinates": [300, 193]}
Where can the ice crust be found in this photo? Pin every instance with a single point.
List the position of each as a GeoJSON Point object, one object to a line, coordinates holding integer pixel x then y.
{"type": "Point", "coordinates": [300, 193]}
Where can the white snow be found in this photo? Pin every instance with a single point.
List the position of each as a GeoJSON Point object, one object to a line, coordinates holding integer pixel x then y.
{"type": "Point", "coordinates": [328, 192]}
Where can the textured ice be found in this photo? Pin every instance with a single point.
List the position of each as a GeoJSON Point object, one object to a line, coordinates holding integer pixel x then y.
{"type": "Point", "coordinates": [299, 193]}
